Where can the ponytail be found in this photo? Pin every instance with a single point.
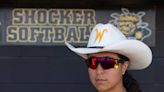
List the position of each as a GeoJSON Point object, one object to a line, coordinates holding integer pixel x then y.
{"type": "Point", "coordinates": [130, 83]}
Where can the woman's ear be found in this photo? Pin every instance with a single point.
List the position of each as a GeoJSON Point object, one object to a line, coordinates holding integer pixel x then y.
{"type": "Point", "coordinates": [125, 67]}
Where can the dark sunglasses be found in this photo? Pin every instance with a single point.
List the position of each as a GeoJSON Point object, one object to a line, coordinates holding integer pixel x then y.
{"type": "Point", "coordinates": [105, 62]}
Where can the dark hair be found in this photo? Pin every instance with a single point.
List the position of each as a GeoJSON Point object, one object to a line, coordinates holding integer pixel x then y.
{"type": "Point", "coordinates": [123, 57]}
{"type": "Point", "coordinates": [129, 82]}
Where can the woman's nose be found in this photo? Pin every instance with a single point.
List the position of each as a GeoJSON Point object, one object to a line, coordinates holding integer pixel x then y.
{"type": "Point", "coordinates": [99, 69]}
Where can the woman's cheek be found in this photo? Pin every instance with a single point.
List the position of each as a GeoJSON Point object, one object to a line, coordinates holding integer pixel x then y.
{"type": "Point", "coordinates": [92, 75]}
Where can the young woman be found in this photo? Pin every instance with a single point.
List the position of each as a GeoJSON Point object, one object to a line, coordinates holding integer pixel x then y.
{"type": "Point", "coordinates": [109, 54]}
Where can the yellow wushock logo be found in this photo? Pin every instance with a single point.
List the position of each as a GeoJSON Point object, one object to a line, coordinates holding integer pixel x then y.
{"type": "Point", "coordinates": [100, 34]}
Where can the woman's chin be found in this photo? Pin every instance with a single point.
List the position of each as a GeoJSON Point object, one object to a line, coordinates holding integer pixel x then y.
{"type": "Point", "coordinates": [101, 88]}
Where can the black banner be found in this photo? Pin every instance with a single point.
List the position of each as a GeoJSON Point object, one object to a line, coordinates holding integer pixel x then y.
{"type": "Point", "coordinates": [24, 26]}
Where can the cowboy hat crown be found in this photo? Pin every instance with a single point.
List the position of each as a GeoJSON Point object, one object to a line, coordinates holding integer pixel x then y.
{"type": "Point", "coordinates": [103, 35]}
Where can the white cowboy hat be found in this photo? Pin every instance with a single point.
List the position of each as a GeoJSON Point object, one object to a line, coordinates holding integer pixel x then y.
{"type": "Point", "coordinates": [106, 37]}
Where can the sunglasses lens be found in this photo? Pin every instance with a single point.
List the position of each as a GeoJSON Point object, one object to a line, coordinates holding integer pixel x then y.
{"type": "Point", "coordinates": [105, 62]}
{"type": "Point", "coordinates": [92, 63]}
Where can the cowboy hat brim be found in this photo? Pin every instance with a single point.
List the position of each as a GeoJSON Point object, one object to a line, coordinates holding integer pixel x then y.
{"type": "Point", "coordinates": [138, 52]}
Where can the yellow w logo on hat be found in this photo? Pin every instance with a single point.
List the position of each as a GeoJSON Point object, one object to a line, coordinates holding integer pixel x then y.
{"type": "Point", "coordinates": [99, 35]}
